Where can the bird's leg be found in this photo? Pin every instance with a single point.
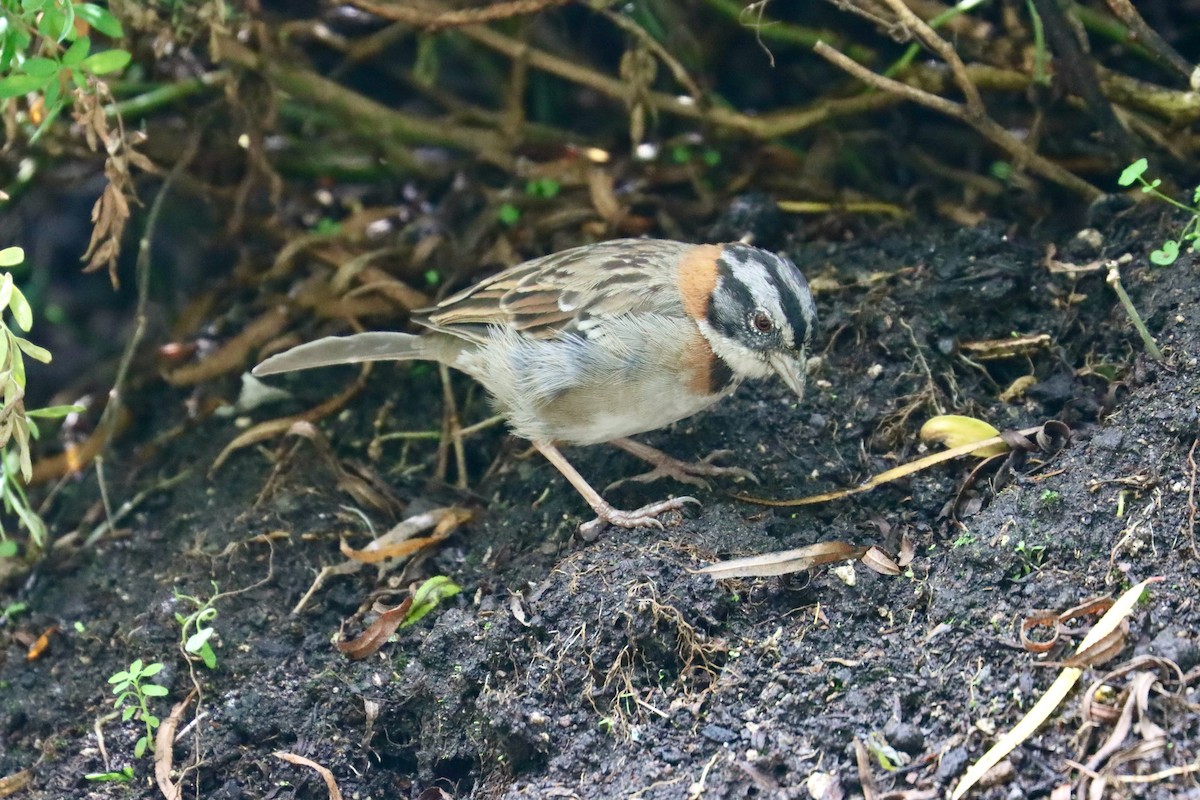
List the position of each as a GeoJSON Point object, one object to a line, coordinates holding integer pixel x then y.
{"type": "Point", "coordinates": [644, 516]}
{"type": "Point", "coordinates": [666, 466]}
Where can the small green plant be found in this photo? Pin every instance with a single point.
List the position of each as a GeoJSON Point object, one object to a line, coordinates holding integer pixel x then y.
{"type": "Point", "coordinates": [196, 630]}
{"type": "Point", "coordinates": [965, 538]}
{"type": "Point", "coordinates": [546, 188]}
{"type": "Point", "coordinates": [133, 694]}
{"type": "Point", "coordinates": [17, 424]}
{"type": "Point", "coordinates": [508, 214]}
{"type": "Point", "coordinates": [1169, 251]}
{"type": "Point", "coordinates": [428, 596]}
{"type": "Point", "coordinates": [45, 54]}
{"type": "Point", "coordinates": [1029, 557]}
{"type": "Point", "coordinates": [1049, 497]}
{"type": "Point", "coordinates": [122, 775]}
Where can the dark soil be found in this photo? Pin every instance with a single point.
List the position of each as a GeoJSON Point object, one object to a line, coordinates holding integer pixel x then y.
{"type": "Point", "coordinates": [609, 669]}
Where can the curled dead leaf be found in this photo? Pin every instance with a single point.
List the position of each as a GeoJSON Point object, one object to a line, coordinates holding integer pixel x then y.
{"type": "Point", "coordinates": [783, 562]}
{"type": "Point", "coordinates": [369, 641]}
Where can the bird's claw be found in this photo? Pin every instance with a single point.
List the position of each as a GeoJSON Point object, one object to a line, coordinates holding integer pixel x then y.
{"type": "Point", "coordinates": [644, 517]}
{"type": "Point", "coordinates": [689, 472]}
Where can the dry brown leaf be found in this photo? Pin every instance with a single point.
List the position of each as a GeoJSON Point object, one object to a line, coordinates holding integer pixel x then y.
{"type": "Point", "coordinates": [164, 743]}
{"type": "Point", "coordinates": [15, 782]}
{"type": "Point", "coordinates": [402, 540]}
{"type": "Point", "coordinates": [878, 561]}
{"type": "Point", "coordinates": [369, 641]}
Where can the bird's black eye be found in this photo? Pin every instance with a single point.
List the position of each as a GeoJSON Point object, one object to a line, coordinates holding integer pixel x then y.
{"type": "Point", "coordinates": [761, 322]}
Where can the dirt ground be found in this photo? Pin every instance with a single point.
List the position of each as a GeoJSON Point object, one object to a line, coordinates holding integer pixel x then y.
{"type": "Point", "coordinates": [609, 669]}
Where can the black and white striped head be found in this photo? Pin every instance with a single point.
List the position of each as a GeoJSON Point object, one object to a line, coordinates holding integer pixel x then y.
{"type": "Point", "coordinates": [761, 315]}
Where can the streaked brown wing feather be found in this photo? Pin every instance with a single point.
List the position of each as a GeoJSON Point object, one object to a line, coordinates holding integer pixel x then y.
{"type": "Point", "coordinates": [549, 295]}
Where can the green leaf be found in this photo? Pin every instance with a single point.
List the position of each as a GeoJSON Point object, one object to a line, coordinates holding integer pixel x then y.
{"type": "Point", "coordinates": [208, 656]}
{"type": "Point", "coordinates": [151, 720]}
{"type": "Point", "coordinates": [77, 52]}
{"type": "Point", "coordinates": [11, 257]}
{"type": "Point", "coordinates": [100, 19]}
{"type": "Point", "coordinates": [33, 5]}
{"type": "Point", "coordinates": [55, 412]}
{"type": "Point", "coordinates": [105, 62]}
{"type": "Point", "coordinates": [154, 690]}
{"type": "Point", "coordinates": [1166, 255]}
{"type": "Point", "coordinates": [1133, 172]}
{"type": "Point", "coordinates": [118, 677]}
{"type": "Point", "coordinates": [18, 85]}
{"type": "Point", "coordinates": [128, 713]}
{"type": "Point", "coordinates": [29, 518]}
{"type": "Point", "coordinates": [55, 23]}
{"type": "Point", "coordinates": [52, 99]}
{"type": "Point", "coordinates": [198, 639]}
{"type": "Point", "coordinates": [41, 67]}
{"type": "Point", "coordinates": [8, 48]}
{"type": "Point", "coordinates": [8, 549]}
{"type": "Point", "coordinates": [125, 775]}
{"type": "Point", "coordinates": [151, 670]}
{"type": "Point", "coordinates": [21, 310]}
{"type": "Point", "coordinates": [32, 350]}
{"type": "Point", "coordinates": [135, 669]}
{"type": "Point", "coordinates": [139, 749]}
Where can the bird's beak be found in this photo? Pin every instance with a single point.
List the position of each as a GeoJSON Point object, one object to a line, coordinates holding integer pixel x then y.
{"type": "Point", "coordinates": [791, 369]}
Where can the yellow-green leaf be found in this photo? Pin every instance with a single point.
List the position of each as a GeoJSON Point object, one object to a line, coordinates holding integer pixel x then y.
{"type": "Point", "coordinates": [11, 256]}
{"type": "Point", "coordinates": [954, 430]}
{"type": "Point", "coordinates": [32, 350]}
{"type": "Point", "coordinates": [21, 310]}
{"type": "Point", "coordinates": [54, 412]}
{"type": "Point", "coordinates": [105, 62]}
{"type": "Point", "coordinates": [18, 373]}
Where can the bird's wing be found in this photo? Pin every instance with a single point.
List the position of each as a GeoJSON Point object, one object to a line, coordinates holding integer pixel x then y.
{"type": "Point", "coordinates": [566, 292]}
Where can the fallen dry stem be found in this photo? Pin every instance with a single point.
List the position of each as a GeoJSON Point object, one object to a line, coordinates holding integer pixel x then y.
{"type": "Point", "coordinates": [433, 19]}
{"type": "Point", "coordinates": [984, 125]}
{"type": "Point", "coordinates": [930, 38]}
{"type": "Point", "coordinates": [887, 476]}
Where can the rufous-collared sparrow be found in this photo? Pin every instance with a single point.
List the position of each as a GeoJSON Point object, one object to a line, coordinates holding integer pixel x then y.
{"type": "Point", "coordinates": [600, 342]}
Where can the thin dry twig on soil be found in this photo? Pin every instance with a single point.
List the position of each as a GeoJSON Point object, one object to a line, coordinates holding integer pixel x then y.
{"type": "Point", "coordinates": [330, 782]}
{"type": "Point", "coordinates": [1192, 509]}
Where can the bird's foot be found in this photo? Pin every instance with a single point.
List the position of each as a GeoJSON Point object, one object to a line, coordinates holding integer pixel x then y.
{"type": "Point", "coordinates": [644, 517]}
{"type": "Point", "coordinates": [692, 473]}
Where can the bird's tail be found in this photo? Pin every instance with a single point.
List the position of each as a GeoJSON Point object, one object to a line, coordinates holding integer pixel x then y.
{"type": "Point", "coordinates": [376, 346]}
